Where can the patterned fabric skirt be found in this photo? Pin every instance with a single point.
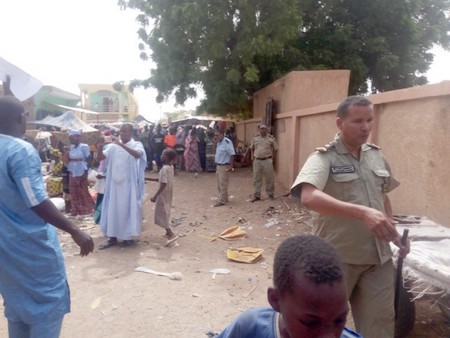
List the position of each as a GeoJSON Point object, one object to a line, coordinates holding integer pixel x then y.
{"type": "Point", "coordinates": [210, 157]}
{"type": "Point", "coordinates": [82, 203]}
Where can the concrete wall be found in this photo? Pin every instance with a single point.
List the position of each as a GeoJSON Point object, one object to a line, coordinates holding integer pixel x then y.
{"type": "Point", "coordinates": [414, 133]}
{"type": "Point", "coordinates": [411, 125]}
{"type": "Point", "coordinates": [303, 89]}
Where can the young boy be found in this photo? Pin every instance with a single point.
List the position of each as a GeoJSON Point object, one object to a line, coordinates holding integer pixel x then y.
{"type": "Point", "coordinates": [163, 196]}
{"type": "Point", "coordinates": [309, 297]}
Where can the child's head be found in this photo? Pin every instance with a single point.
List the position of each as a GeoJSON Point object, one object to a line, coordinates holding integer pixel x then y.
{"type": "Point", "coordinates": [309, 288]}
{"type": "Point", "coordinates": [168, 156]}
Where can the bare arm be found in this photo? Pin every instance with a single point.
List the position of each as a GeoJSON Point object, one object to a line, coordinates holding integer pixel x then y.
{"type": "Point", "coordinates": [100, 144]}
{"type": "Point", "coordinates": [162, 186]}
{"type": "Point", "coordinates": [231, 163]}
{"type": "Point", "coordinates": [252, 150]}
{"type": "Point", "coordinates": [49, 213]}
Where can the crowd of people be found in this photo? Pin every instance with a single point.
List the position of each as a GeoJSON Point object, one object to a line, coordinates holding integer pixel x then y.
{"type": "Point", "coordinates": [346, 183]}
{"type": "Point", "coordinates": [194, 145]}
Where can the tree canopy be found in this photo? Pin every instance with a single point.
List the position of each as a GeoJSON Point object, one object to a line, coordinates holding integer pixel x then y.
{"type": "Point", "coordinates": [232, 48]}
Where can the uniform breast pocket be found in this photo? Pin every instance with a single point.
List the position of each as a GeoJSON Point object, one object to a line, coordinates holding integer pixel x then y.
{"type": "Point", "coordinates": [381, 178]}
{"type": "Point", "coordinates": [344, 186]}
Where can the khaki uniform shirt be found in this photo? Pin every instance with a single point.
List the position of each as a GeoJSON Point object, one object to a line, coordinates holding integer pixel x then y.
{"type": "Point", "coordinates": [263, 146]}
{"type": "Point", "coordinates": [336, 172]}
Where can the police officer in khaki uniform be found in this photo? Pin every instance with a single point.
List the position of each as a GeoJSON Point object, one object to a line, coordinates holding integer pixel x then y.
{"type": "Point", "coordinates": [346, 183]}
{"type": "Point", "coordinates": [263, 148]}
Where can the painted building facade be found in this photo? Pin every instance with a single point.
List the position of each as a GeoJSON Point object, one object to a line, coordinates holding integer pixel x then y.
{"type": "Point", "coordinates": [112, 105]}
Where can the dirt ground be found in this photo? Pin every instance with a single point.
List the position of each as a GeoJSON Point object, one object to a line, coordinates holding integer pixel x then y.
{"type": "Point", "coordinates": [110, 299]}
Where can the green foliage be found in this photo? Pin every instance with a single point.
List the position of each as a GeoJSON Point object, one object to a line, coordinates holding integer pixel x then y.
{"type": "Point", "coordinates": [171, 116]}
{"type": "Point", "coordinates": [232, 48]}
{"type": "Point", "coordinates": [118, 86]}
{"type": "Point", "coordinates": [386, 41]}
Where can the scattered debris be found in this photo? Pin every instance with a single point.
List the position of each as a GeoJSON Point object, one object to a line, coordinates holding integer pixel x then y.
{"type": "Point", "coordinates": [177, 221]}
{"type": "Point", "coordinates": [233, 233]}
{"type": "Point", "coordinates": [96, 303]}
{"type": "Point", "coordinates": [271, 222]}
{"type": "Point", "coordinates": [287, 206]}
{"type": "Point", "coordinates": [210, 238]}
{"type": "Point", "coordinates": [185, 233]}
{"type": "Point", "coordinates": [176, 275]}
{"type": "Point", "coordinates": [251, 291]}
{"type": "Point", "coordinates": [220, 271]}
{"type": "Point", "coordinates": [245, 254]}
{"type": "Point", "coordinates": [242, 220]}
{"type": "Point", "coordinates": [271, 211]}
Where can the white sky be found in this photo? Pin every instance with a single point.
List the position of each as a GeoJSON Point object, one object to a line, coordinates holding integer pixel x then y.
{"type": "Point", "coordinates": [67, 42]}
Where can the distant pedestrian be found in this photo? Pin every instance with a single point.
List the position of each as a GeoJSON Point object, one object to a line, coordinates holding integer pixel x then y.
{"type": "Point", "coordinates": [210, 151]}
{"type": "Point", "coordinates": [170, 139]}
{"type": "Point", "coordinates": [224, 165]}
{"type": "Point", "coordinates": [263, 149]}
{"type": "Point", "coordinates": [157, 145]}
{"type": "Point", "coordinates": [163, 197]}
{"type": "Point", "coordinates": [78, 164]}
{"type": "Point", "coordinates": [191, 155]}
{"type": "Point", "coordinates": [201, 135]}
{"type": "Point", "coordinates": [101, 182]}
{"type": "Point", "coordinates": [149, 146]}
{"type": "Point", "coordinates": [145, 136]}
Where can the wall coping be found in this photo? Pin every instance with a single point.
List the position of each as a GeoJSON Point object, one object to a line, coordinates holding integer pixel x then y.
{"type": "Point", "coordinates": [255, 119]}
{"type": "Point", "coordinates": [407, 94]}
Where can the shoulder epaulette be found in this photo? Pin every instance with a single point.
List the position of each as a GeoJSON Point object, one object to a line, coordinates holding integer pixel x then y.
{"type": "Point", "coordinates": [374, 146]}
{"type": "Point", "coordinates": [227, 140]}
{"type": "Point", "coordinates": [326, 147]}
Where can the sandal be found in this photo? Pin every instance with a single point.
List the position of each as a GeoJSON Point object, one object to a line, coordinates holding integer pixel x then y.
{"type": "Point", "coordinates": [107, 244]}
{"type": "Point", "coordinates": [170, 241]}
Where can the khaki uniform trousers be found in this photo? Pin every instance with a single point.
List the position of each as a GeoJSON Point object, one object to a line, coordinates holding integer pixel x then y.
{"type": "Point", "coordinates": [223, 179]}
{"type": "Point", "coordinates": [371, 296]}
{"type": "Point", "coordinates": [263, 169]}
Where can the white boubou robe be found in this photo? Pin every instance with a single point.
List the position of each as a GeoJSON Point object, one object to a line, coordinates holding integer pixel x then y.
{"type": "Point", "coordinates": [124, 192]}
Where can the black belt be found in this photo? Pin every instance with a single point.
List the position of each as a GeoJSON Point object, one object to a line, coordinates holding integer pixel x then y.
{"type": "Point", "coordinates": [222, 163]}
{"type": "Point", "coordinates": [264, 158]}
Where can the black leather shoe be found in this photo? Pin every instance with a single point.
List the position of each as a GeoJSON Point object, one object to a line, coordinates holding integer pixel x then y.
{"type": "Point", "coordinates": [127, 242]}
{"type": "Point", "coordinates": [109, 243]}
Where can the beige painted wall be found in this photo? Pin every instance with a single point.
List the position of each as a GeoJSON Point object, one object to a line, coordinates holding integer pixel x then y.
{"type": "Point", "coordinates": [303, 89]}
{"type": "Point", "coordinates": [411, 125]}
{"type": "Point", "coordinates": [415, 135]}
